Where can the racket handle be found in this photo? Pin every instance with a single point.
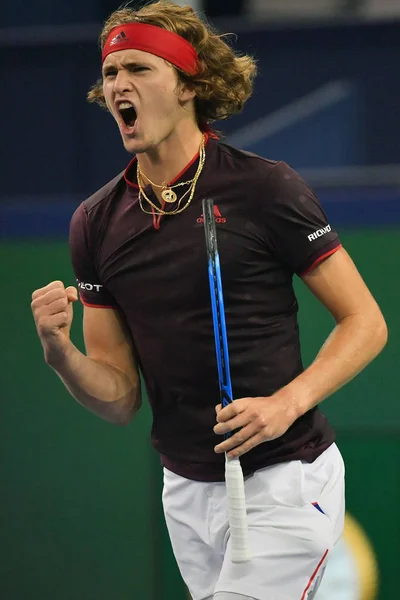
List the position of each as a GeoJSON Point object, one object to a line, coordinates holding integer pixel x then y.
{"type": "Point", "coordinates": [240, 548]}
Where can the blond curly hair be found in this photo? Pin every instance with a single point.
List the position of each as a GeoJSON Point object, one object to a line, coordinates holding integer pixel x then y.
{"type": "Point", "coordinates": [225, 79]}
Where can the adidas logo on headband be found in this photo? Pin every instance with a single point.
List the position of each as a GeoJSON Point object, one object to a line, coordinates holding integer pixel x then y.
{"type": "Point", "coordinates": [121, 37]}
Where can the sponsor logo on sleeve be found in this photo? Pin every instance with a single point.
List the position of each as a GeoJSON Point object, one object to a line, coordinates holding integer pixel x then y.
{"type": "Point", "coordinates": [319, 233]}
{"type": "Point", "coordinates": [89, 287]}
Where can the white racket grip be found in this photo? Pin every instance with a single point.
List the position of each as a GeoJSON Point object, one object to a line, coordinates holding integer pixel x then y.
{"type": "Point", "coordinates": [240, 547]}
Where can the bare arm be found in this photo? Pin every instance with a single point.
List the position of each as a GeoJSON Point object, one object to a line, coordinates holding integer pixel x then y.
{"type": "Point", "coordinates": [358, 337]}
{"type": "Point", "coordinates": [106, 380]}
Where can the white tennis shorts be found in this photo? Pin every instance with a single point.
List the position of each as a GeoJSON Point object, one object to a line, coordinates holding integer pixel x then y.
{"type": "Point", "coordinates": [295, 514]}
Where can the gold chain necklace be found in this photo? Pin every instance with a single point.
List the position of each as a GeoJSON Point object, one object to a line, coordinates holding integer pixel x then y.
{"type": "Point", "coordinates": [166, 188]}
{"type": "Point", "coordinates": [168, 195]}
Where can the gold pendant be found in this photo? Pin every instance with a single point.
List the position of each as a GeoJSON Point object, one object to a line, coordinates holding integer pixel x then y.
{"type": "Point", "coordinates": [169, 196]}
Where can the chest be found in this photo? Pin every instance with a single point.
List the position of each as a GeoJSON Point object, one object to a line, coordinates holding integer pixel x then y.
{"type": "Point", "coordinates": [160, 263]}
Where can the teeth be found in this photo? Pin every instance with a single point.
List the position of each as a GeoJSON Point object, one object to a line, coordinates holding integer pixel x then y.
{"type": "Point", "coordinates": [125, 105]}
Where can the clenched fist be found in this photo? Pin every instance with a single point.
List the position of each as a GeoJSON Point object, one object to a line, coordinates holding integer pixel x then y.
{"type": "Point", "coordinates": [52, 311]}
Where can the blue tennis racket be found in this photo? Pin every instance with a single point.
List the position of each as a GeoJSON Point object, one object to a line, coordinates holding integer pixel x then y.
{"type": "Point", "coordinates": [240, 548]}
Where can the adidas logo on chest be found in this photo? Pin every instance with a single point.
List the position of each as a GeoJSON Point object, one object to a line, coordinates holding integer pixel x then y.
{"type": "Point", "coordinates": [217, 215]}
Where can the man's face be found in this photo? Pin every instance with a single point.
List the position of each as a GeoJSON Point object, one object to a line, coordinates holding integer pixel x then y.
{"type": "Point", "coordinates": [141, 92]}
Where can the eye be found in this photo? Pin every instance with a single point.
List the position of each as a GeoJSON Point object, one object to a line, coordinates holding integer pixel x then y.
{"type": "Point", "coordinates": [138, 68]}
{"type": "Point", "coordinates": [109, 73]}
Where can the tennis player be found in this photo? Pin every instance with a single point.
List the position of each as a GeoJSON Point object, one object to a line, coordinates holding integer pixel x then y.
{"type": "Point", "coordinates": [139, 254]}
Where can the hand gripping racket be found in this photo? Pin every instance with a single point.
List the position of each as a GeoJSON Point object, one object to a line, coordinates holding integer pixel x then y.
{"type": "Point", "coordinates": [233, 471]}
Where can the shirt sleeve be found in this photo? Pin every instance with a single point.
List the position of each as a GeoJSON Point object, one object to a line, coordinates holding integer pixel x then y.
{"type": "Point", "coordinates": [298, 227]}
{"type": "Point", "coordinates": [91, 289]}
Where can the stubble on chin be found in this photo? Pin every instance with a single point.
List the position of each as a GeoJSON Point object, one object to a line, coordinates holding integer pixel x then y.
{"type": "Point", "coordinates": [132, 146]}
{"type": "Point", "coordinates": [136, 146]}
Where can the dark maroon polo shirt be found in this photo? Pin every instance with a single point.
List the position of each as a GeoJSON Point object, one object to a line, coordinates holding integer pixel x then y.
{"type": "Point", "coordinates": [154, 270]}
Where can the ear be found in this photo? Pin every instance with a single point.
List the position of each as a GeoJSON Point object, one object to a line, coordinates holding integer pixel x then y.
{"type": "Point", "coordinates": [186, 92]}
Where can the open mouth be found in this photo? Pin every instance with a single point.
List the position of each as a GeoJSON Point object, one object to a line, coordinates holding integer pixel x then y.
{"type": "Point", "coordinates": [128, 113]}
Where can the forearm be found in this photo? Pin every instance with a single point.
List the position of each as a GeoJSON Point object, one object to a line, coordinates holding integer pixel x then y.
{"type": "Point", "coordinates": [100, 387]}
{"type": "Point", "coordinates": [351, 346]}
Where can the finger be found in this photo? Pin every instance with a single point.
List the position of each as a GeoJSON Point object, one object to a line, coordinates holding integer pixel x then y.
{"type": "Point", "coordinates": [248, 445]}
{"type": "Point", "coordinates": [72, 293]}
{"type": "Point", "coordinates": [56, 307]}
{"type": "Point", "coordinates": [236, 439]}
{"type": "Point", "coordinates": [218, 408]}
{"type": "Point", "coordinates": [48, 297]}
{"type": "Point", "coordinates": [233, 409]}
{"type": "Point", "coordinates": [240, 420]}
{"type": "Point", "coordinates": [44, 310]}
{"type": "Point", "coordinates": [50, 286]}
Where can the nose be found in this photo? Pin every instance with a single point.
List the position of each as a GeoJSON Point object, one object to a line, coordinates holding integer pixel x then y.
{"type": "Point", "coordinates": [122, 82]}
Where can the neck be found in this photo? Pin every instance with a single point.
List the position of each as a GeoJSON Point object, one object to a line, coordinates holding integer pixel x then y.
{"type": "Point", "coordinates": [164, 163]}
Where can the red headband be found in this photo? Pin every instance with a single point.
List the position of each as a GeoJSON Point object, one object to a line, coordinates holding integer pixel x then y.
{"type": "Point", "coordinates": [155, 40]}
